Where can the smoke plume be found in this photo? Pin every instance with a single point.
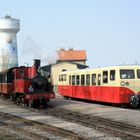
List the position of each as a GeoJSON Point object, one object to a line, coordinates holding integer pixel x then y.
{"type": "Point", "coordinates": [31, 50]}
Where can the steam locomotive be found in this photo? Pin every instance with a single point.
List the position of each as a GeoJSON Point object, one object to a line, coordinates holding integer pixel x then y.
{"type": "Point", "coordinates": [27, 85]}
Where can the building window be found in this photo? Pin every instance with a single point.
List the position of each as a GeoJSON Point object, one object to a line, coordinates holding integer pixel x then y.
{"type": "Point", "coordinates": [93, 79]}
{"type": "Point", "coordinates": [77, 79]}
{"type": "Point", "coordinates": [82, 79]}
{"type": "Point", "coordinates": [105, 76]}
{"type": "Point", "coordinates": [73, 79]}
{"type": "Point", "coordinates": [112, 75]}
{"type": "Point", "coordinates": [88, 79]}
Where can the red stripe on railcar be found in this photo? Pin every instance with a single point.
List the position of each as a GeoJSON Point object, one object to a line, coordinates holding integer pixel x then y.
{"type": "Point", "coordinates": [97, 93]}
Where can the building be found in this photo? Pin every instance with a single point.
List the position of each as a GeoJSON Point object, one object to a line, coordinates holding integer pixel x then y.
{"type": "Point", "coordinates": [67, 60]}
{"type": "Point", "coordinates": [71, 55]}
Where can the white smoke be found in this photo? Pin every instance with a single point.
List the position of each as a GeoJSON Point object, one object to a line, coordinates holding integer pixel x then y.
{"type": "Point", "coordinates": [32, 50]}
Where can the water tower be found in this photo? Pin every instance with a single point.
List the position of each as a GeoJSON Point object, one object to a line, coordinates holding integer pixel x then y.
{"type": "Point", "coordinates": [8, 42]}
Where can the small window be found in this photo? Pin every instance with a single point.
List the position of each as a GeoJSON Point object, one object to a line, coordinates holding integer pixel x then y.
{"type": "Point", "coordinates": [88, 79]}
{"type": "Point", "coordinates": [93, 79]}
{"type": "Point", "coordinates": [99, 79]}
{"type": "Point", "coordinates": [70, 79]}
{"type": "Point", "coordinates": [77, 79]}
{"type": "Point", "coordinates": [105, 76]}
{"type": "Point", "coordinates": [73, 79]}
{"type": "Point", "coordinates": [82, 79]}
{"type": "Point", "coordinates": [112, 75]}
{"type": "Point", "coordinates": [138, 74]}
{"type": "Point", "coordinates": [127, 74]}
{"type": "Point", "coordinates": [22, 73]}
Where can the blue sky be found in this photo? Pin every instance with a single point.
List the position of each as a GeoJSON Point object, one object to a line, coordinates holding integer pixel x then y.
{"type": "Point", "coordinates": [109, 30]}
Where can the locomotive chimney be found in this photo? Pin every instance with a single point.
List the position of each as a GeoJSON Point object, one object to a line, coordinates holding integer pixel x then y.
{"type": "Point", "coordinates": [36, 63]}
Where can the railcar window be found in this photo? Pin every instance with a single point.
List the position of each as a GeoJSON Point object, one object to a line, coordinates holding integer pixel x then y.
{"type": "Point", "coordinates": [59, 77]}
{"type": "Point", "coordinates": [112, 75]}
{"type": "Point", "coordinates": [70, 79]}
{"type": "Point", "coordinates": [82, 79]}
{"type": "Point", "coordinates": [99, 79]}
{"type": "Point", "coordinates": [77, 79]}
{"type": "Point", "coordinates": [127, 74]}
{"type": "Point", "coordinates": [93, 79]}
{"type": "Point", "coordinates": [88, 79]}
{"type": "Point", "coordinates": [64, 77]}
{"type": "Point", "coordinates": [138, 74]}
{"type": "Point", "coordinates": [105, 76]}
{"type": "Point", "coordinates": [73, 79]}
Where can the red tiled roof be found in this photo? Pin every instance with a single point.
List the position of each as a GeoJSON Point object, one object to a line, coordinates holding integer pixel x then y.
{"type": "Point", "coordinates": [72, 55]}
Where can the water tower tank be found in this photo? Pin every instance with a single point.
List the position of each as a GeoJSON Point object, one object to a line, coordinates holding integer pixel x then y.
{"type": "Point", "coordinates": [8, 42]}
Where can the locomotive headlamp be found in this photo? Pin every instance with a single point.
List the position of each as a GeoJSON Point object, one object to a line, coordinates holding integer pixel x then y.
{"type": "Point", "coordinates": [123, 83]}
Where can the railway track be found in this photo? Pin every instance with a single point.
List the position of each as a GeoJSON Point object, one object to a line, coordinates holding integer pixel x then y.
{"type": "Point", "coordinates": [28, 129]}
{"type": "Point", "coordinates": [122, 130]}
{"type": "Point", "coordinates": [116, 129]}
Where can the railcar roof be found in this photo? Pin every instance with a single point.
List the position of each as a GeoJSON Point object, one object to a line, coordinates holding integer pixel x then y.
{"type": "Point", "coordinates": [105, 68]}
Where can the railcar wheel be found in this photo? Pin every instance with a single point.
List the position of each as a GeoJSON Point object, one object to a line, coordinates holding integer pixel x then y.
{"type": "Point", "coordinates": [135, 101]}
{"type": "Point", "coordinates": [66, 97]}
{"type": "Point", "coordinates": [124, 105]}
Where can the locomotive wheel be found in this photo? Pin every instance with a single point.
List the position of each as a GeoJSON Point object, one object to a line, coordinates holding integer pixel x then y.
{"type": "Point", "coordinates": [32, 103]}
{"type": "Point", "coordinates": [44, 103]}
{"type": "Point", "coordinates": [18, 100]}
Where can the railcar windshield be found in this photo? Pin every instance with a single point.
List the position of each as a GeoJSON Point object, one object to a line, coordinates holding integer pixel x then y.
{"type": "Point", "coordinates": [138, 73]}
{"type": "Point", "coordinates": [127, 74]}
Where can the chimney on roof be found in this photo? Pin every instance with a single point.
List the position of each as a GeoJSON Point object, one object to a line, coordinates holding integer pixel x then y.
{"type": "Point", "coordinates": [62, 49]}
{"type": "Point", "coordinates": [71, 48]}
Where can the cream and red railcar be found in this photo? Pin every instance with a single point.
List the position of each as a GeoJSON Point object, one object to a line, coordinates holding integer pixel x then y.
{"type": "Point", "coordinates": [115, 84]}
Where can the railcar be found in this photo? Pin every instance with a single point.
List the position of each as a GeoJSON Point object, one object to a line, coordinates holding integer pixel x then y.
{"type": "Point", "coordinates": [115, 84]}
{"type": "Point", "coordinates": [27, 85]}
